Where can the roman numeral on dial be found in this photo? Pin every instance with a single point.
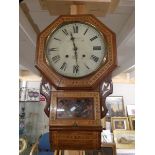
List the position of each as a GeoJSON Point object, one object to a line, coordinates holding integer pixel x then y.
{"type": "Point", "coordinates": [75, 69]}
{"type": "Point", "coordinates": [96, 47]}
{"type": "Point", "coordinates": [57, 39]}
{"type": "Point", "coordinates": [94, 58]}
{"type": "Point", "coordinates": [65, 32]}
{"type": "Point", "coordinates": [75, 29]}
{"type": "Point", "coordinates": [85, 31]}
{"type": "Point", "coordinates": [64, 66]}
{"type": "Point", "coordinates": [52, 49]}
{"type": "Point", "coordinates": [86, 66]}
{"type": "Point", "coordinates": [56, 58]}
{"type": "Point", "coordinates": [93, 38]}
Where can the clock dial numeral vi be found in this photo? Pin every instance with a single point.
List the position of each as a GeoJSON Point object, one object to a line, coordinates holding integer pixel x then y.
{"type": "Point", "coordinates": [75, 69]}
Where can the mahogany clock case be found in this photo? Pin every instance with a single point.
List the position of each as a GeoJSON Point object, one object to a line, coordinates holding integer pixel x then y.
{"type": "Point", "coordinates": [80, 126]}
{"type": "Point", "coordinates": [84, 83]}
{"type": "Point", "coordinates": [75, 109]}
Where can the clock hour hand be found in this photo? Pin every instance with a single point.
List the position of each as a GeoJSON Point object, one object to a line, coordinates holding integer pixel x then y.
{"type": "Point", "coordinates": [75, 48]}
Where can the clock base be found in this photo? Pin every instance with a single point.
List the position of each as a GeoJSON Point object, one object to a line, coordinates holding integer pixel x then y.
{"type": "Point", "coordinates": [75, 138]}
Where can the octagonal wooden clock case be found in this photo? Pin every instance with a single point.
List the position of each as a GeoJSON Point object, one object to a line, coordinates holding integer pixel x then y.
{"type": "Point", "coordinates": [75, 53]}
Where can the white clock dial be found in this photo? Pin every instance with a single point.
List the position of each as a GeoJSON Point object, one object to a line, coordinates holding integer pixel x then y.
{"type": "Point", "coordinates": [75, 50]}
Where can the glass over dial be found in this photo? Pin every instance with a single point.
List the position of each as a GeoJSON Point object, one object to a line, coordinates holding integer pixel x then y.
{"type": "Point", "coordinates": [75, 49]}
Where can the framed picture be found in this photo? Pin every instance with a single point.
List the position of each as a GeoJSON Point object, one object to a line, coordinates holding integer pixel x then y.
{"type": "Point", "coordinates": [130, 109]}
{"type": "Point", "coordinates": [106, 149]}
{"type": "Point", "coordinates": [115, 106]}
{"type": "Point", "coordinates": [106, 136]}
{"type": "Point", "coordinates": [132, 122]}
{"type": "Point", "coordinates": [124, 139]}
{"type": "Point", "coordinates": [33, 94]}
{"type": "Point", "coordinates": [120, 123]}
{"type": "Point", "coordinates": [22, 94]}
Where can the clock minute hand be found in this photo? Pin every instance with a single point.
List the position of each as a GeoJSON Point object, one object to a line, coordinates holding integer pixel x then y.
{"type": "Point", "coordinates": [75, 48]}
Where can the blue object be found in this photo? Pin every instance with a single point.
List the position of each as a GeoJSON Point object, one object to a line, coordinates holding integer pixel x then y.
{"type": "Point", "coordinates": [44, 145]}
{"type": "Point", "coordinates": [45, 153]}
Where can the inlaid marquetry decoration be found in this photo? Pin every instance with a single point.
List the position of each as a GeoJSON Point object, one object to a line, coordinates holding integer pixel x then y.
{"type": "Point", "coordinates": [76, 52]}
{"type": "Point", "coordinates": [76, 55]}
{"type": "Point", "coordinates": [73, 117]}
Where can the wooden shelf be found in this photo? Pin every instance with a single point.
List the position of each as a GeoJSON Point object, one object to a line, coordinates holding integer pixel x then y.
{"type": "Point", "coordinates": [95, 7]}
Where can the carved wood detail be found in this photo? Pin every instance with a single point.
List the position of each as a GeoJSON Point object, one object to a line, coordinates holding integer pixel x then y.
{"type": "Point", "coordinates": [45, 90]}
{"type": "Point", "coordinates": [106, 88]}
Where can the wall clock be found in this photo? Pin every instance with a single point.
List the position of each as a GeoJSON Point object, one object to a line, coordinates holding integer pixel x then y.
{"type": "Point", "coordinates": [76, 54]}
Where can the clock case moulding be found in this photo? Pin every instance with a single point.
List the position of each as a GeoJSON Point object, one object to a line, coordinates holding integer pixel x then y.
{"type": "Point", "coordinates": [89, 82]}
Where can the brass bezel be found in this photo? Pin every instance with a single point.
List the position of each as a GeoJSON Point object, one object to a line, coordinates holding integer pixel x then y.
{"type": "Point", "coordinates": [81, 22]}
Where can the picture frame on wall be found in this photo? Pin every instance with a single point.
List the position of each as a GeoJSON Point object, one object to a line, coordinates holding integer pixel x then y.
{"type": "Point", "coordinates": [132, 122]}
{"type": "Point", "coordinates": [106, 149]}
{"type": "Point", "coordinates": [115, 106]}
{"type": "Point", "coordinates": [33, 95]}
{"type": "Point", "coordinates": [124, 139]}
{"type": "Point", "coordinates": [120, 123]}
{"type": "Point", "coordinates": [22, 94]}
{"type": "Point", "coordinates": [130, 109]}
{"type": "Point", "coordinates": [106, 136]}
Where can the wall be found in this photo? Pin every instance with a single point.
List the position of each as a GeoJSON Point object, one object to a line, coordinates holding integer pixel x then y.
{"type": "Point", "coordinates": [125, 90]}
{"type": "Point", "coordinates": [36, 122]}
